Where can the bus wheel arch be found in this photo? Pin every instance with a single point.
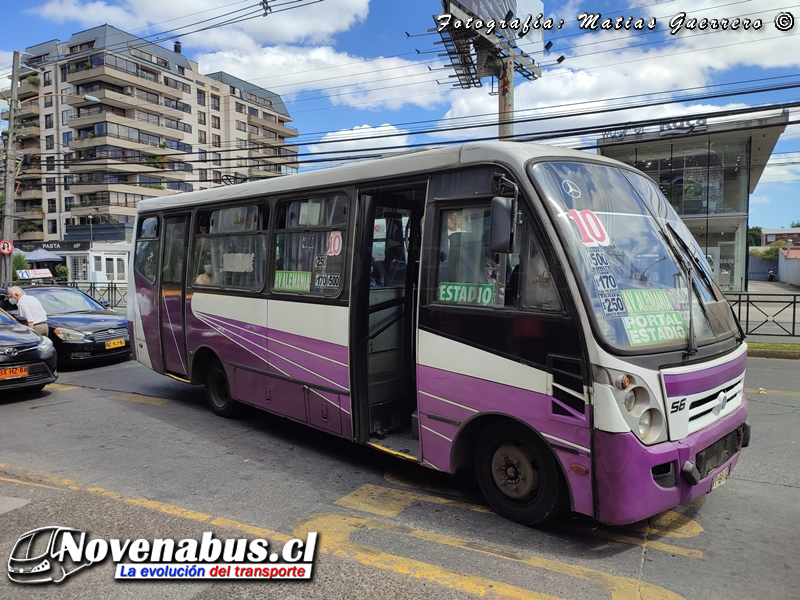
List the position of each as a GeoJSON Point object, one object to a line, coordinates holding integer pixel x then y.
{"type": "Point", "coordinates": [208, 369]}
{"type": "Point", "coordinates": [517, 471]}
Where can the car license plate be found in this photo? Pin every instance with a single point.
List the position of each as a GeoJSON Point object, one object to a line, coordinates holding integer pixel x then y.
{"type": "Point", "coordinates": [115, 344]}
{"type": "Point", "coordinates": [12, 372]}
{"type": "Point", "coordinates": [719, 479]}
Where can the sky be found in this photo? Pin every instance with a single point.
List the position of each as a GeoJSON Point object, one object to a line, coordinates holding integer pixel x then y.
{"type": "Point", "coordinates": [350, 70]}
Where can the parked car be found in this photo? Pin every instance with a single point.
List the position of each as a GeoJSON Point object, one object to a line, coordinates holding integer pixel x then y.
{"type": "Point", "coordinates": [81, 328]}
{"type": "Point", "coordinates": [27, 361]}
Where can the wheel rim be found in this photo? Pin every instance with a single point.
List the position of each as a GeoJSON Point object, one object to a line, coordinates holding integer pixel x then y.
{"type": "Point", "coordinates": [515, 471]}
{"type": "Point", "coordinates": [219, 389]}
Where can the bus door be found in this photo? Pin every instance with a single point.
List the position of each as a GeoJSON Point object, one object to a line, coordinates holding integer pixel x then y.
{"type": "Point", "coordinates": [385, 311]}
{"type": "Point", "coordinates": [173, 258]}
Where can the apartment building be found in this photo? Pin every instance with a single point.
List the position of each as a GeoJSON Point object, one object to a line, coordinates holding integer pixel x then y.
{"type": "Point", "coordinates": [107, 119]}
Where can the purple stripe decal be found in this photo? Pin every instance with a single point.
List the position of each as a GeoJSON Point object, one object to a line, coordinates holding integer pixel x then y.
{"type": "Point", "coordinates": [460, 397]}
{"type": "Point", "coordinates": [705, 379]}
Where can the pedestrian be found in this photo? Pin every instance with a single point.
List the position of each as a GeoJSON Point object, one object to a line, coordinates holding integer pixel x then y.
{"type": "Point", "coordinates": [29, 308]}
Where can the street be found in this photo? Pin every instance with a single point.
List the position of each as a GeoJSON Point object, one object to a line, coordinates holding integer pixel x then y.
{"type": "Point", "coordinates": [122, 452]}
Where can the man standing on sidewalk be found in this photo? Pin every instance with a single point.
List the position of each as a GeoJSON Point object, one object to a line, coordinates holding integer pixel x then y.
{"type": "Point", "coordinates": [29, 308]}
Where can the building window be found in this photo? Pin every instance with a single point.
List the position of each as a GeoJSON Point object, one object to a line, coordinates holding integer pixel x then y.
{"type": "Point", "coordinates": [216, 140]}
{"type": "Point", "coordinates": [81, 47]}
{"type": "Point", "coordinates": [49, 142]}
{"type": "Point", "coordinates": [68, 201]}
{"type": "Point", "coordinates": [51, 163]}
{"type": "Point", "coordinates": [201, 118]}
{"type": "Point", "coordinates": [48, 121]}
{"type": "Point", "coordinates": [67, 182]}
{"type": "Point", "coordinates": [216, 176]}
{"type": "Point", "coordinates": [201, 137]}
{"type": "Point", "coordinates": [215, 121]}
{"type": "Point", "coordinates": [201, 98]}
{"type": "Point", "coordinates": [252, 111]}
{"type": "Point", "coordinates": [48, 78]}
{"type": "Point", "coordinates": [216, 158]}
{"type": "Point", "coordinates": [48, 100]}
{"type": "Point", "coordinates": [201, 155]}
{"type": "Point", "coordinates": [215, 102]}
{"type": "Point", "coordinates": [241, 126]}
{"type": "Point", "coordinates": [66, 115]}
{"type": "Point", "coordinates": [202, 175]}
{"type": "Point", "coordinates": [50, 184]}
{"type": "Point", "coordinates": [51, 205]}
{"type": "Point", "coordinates": [181, 70]}
{"type": "Point", "coordinates": [66, 138]}
{"type": "Point", "coordinates": [52, 226]}
{"type": "Point", "coordinates": [233, 91]}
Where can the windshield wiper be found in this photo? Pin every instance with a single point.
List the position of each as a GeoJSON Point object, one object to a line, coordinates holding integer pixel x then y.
{"type": "Point", "coordinates": [690, 255]}
{"type": "Point", "coordinates": [688, 269]}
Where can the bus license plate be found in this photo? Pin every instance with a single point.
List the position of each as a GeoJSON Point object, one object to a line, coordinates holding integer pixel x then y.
{"type": "Point", "coordinates": [719, 479]}
{"type": "Point", "coordinates": [12, 372]}
{"type": "Point", "coordinates": [115, 344]}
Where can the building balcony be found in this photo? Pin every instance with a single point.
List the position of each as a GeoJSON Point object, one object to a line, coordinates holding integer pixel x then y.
{"type": "Point", "coordinates": [31, 131]}
{"type": "Point", "coordinates": [34, 193]}
{"type": "Point", "coordinates": [97, 211]}
{"type": "Point", "coordinates": [31, 236]}
{"type": "Point", "coordinates": [30, 213]}
{"type": "Point", "coordinates": [126, 101]}
{"type": "Point", "coordinates": [35, 170]}
{"type": "Point", "coordinates": [273, 126]}
{"type": "Point", "coordinates": [110, 117]}
{"type": "Point", "coordinates": [121, 78]}
{"type": "Point", "coordinates": [102, 140]}
{"type": "Point", "coordinates": [257, 173]}
{"type": "Point", "coordinates": [27, 111]}
{"type": "Point", "coordinates": [27, 90]}
{"type": "Point", "coordinates": [127, 188]}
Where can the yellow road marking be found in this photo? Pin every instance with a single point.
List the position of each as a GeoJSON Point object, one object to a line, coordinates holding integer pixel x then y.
{"type": "Point", "coordinates": [669, 524]}
{"type": "Point", "coordinates": [140, 399]}
{"type": "Point", "coordinates": [400, 480]}
{"type": "Point", "coordinates": [59, 387]}
{"type": "Point", "coordinates": [338, 528]}
{"type": "Point", "coordinates": [389, 502]}
{"type": "Point", "coordinates": [774, 392]}
{"type": "Point", "coordinates": [18, 482]}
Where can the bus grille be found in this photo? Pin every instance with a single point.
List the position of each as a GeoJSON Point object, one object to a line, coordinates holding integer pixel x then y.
{"type": "Point", "coordinates": [719, 452]}
{"type": "Point", "coordinates": [709, 401]}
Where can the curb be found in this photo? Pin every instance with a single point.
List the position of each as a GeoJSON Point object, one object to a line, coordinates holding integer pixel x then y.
{"type": "Point", "coordinates": [756, 353]}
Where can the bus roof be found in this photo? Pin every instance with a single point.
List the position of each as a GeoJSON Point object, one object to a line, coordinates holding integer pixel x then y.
{"type": "Point", "coordinates": [391, 165]}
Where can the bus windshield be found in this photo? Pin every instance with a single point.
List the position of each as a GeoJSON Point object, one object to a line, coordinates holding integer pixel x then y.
{"type": "Point", "coordinates": [633, 254]}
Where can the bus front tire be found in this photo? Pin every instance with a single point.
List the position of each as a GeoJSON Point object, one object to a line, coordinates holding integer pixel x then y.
{"type": "Point", "coordinates": [218, 392]}
{"type": "Point", "coordinates": [518, 474]}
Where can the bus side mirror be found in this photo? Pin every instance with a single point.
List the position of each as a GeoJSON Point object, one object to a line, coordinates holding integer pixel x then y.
{"type": "Point", "coordinates": [502, 225]}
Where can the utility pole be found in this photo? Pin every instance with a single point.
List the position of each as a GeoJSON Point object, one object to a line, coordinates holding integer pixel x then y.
{"type": "Point", "coordinates": [7, 231]}
{"type": "Point", "coordinates": [505, 99]}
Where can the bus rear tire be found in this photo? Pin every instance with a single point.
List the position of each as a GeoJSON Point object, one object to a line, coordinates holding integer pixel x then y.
{"type": "Point", "coordinates": [518, 474]}
{"type": "Point", "coordinates": [218, 392]}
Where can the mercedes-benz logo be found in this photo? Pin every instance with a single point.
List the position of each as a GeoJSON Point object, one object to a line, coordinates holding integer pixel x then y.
{"type": "Point", "coordinates": [11, 352]}
{"type": "Point", "coordinates": [571, 188]}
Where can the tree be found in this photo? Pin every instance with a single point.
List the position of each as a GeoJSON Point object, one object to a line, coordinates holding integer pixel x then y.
{"type": "Point", "coordinates": [770, 253]}
{"type": "Point", "coordinates": [795, 224]}
{"type": "Point", "coordinates": [754, 236]}
{"type": "Point", "coordinates": [18, 263]}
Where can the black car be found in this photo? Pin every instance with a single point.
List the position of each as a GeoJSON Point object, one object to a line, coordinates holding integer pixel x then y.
{"type": "Point", "coordinates": [80, 327]}
{"type": "Point", "coordinates": [27, 361]}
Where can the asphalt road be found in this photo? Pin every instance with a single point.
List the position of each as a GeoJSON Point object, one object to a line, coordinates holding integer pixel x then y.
{"type": "Point", "coordinates": [124, 453]}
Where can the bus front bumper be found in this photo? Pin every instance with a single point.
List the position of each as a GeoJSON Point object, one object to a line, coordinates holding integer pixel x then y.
{"type": "Point", "coordinates": [635, 481]}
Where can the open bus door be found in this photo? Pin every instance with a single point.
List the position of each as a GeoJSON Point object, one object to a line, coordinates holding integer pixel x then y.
{"type": "Point", "coordinates": [173, 294]}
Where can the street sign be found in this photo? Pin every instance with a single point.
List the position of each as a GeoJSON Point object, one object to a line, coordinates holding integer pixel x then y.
{"type": "Point", "coordinates": [6, 247]}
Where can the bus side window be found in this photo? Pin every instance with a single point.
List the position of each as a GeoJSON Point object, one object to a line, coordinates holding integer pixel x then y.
{"type": "Point", "coordinates": [539, 288]}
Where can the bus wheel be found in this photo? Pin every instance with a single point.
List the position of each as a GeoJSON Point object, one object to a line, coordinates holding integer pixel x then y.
{"type": "Point", "coordinates": [218, 392]}
{"type": "Point", "coordinates": [518, 474]}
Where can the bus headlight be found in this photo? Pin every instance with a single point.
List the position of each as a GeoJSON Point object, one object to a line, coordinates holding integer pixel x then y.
{"type": "Point", "coordinates": [630, 400]}
{"type": "Point", "coordinates": [650, 425]}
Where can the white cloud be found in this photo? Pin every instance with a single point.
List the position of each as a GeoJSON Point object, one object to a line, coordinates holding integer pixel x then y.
{"type": "Point", "coordinates": [759, 199]}
{"type": "Point", "coordinates": [360, 139]}
{"type": "Point", "coordinates": [301, 74]}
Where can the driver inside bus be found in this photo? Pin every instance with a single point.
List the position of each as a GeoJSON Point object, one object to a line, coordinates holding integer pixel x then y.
{"type": "Point", "coordinates": [205, 277]}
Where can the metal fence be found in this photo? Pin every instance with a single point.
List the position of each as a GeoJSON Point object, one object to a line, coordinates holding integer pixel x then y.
{"type": "Point", "coordinates": [766, 314]}
{"type": "Point", "coordinates": [116, 294]}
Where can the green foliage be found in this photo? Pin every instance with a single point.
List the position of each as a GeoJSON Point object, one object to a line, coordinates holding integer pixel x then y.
{"type": "Point", "coordinates": [62, 272]}
{"type": "Point", "coordinates": [33, 80]}
{"type": "Point", "coordinates": [18, 263]}
{"type": "Point", "coordinates": [795, 224]}
{"type": "Point", "coordinates": [754, 236]}
{"type": "Point", "coordinates": [770, 253]}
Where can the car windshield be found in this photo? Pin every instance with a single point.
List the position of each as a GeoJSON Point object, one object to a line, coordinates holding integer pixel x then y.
{"type": "Point", "coordinates": [64, 301]}
{"type": "Point", "coordinates": [632, 253]}
{"type": "Point", "coordinates": [6, 319]}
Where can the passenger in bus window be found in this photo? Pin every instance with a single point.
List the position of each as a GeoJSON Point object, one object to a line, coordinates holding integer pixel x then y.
{"type": "Point", "coordinates": [205, 277]}
{"type": "Point", "coordinates": [375, 277]}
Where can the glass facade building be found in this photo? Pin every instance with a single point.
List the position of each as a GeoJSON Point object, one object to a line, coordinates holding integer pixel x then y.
{"type": "Point", "coordinates": [707, 172]}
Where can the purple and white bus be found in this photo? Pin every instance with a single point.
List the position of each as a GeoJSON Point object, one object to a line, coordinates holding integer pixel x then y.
{"type": "Point", "coordinates": [539, 315]}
